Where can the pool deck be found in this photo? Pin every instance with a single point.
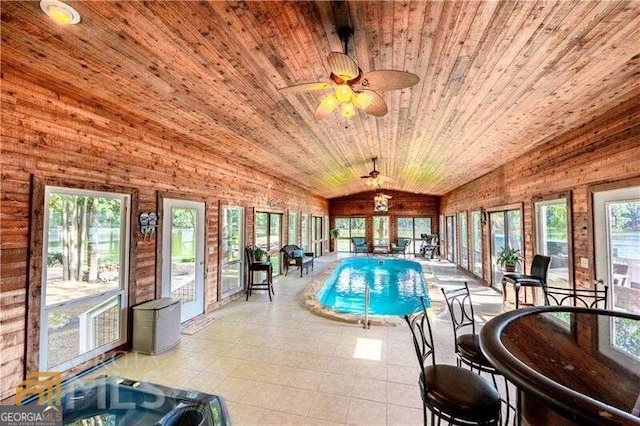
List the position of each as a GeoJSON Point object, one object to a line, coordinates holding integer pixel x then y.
{"type": "Point", "coordinates": [278, 363]}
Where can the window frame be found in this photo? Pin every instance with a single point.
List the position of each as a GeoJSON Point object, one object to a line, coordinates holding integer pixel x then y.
{"type": "Point", "coordinates": [463, 259]}
{"type": "Point", "coordinates": [472, 260]}
{"type": "Point", "coordinates": [349, 230]}
{"type": "Point", "coordinates": [416, 240]}
{"type": "Point", "coordinates": [124, 277]}
{"type": "Point", "coordinates": [224, 294]}
{"type": "Point", "coordinates": [545, 200]}
{"type": "Point", "coordinates": [274, 254]}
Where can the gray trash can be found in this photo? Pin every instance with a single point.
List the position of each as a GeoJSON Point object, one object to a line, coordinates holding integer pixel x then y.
{"type": "Point", "coordinates": [156, 326]}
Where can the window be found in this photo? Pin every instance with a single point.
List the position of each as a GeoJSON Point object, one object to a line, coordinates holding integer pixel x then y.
{"type": "Point", "coordinates": [441, 232]}
{"type": "Point", "coordinates": [413, 227]}
{"type": "Point", "coordinates": [451, 238]}
{"type": "Point", "coordinates": [381, 233]}
{"type": "Point", "coordinates": [85, 275]}
{"type": "Point", "coordinates": [317, 236]}
{"type": "Point", "coordinates": [348, 227]}
{"type": "Point", "coordinates": [231, 250]}
{"type": "Point", "coordinates": [476, 243]}
{"type": "Point", "coordinates": [552, 239]}
{"type": "Point", "coordinates": [268, 231]}
{"type": "Point", "coordinates": [293, 228]}
{"type": "Point", "coordinates": [304, 232]}
{"type": "Point", "coordinates": [506, 231]}
{"type": "Point", "coordinates": [464, 242]}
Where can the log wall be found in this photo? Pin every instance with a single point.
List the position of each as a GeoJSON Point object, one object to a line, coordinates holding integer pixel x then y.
{"type": "Point", "coordinates": [47, 137]}
{"type": "Point", "coordinates": [401, 204]}
{"type": "Point", "coordinates": [604, 151]}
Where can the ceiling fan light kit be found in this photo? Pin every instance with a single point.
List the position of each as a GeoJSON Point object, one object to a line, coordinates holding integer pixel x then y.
{"type": "Point", "coordinates": [344, 93]}
{"type": "Point", "coordinates": [351, 87]}
{"type": "Point", "coordinates": [348, 111]}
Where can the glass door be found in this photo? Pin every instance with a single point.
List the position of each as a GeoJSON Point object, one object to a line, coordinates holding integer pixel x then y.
{"type": "Point", "coordinates": [183, 255]}
{"type": "Point", "coordinates": [464, 242]}
{"type": "Point", "coordinates": [292, 237]}
{"type": "Point", "coordinates": [552, 239]}
{"type": "Point", "coordinates": [616, 221]}
{"type": "Point", "coordinates": [304, 232]}
{"type": "Point", "coordinates": [348, 227]}
{"type": "Point", "coordinates": [381, 234]}
{"type": "Point", "coordinates": [451, 238]}
{"type": "Point", "coordinates": [476, 243]}
{"type": "Point", "coordinates": [268, 232]}
{"type": "Point", "coordinates": [505, 231]}
{"type": "Point", "coordinates": [231, 250]}
{"type": "Point", "coordinates": [317, 236]}
{"type": "Point", "coordinates": [412, 228]}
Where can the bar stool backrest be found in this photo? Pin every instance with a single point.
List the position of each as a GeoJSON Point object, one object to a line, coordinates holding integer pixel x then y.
{"type": "Point", "coordinates": [461, 310]}
{"type": "Point", "coordinates": [421, 334]}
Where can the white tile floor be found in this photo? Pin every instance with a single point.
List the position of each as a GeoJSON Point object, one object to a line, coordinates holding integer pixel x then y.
{"type": "Point", "coordinates": [277, 363]}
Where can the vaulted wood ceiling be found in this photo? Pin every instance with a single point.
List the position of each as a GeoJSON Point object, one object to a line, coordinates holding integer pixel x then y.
{"type": "Point", "coordinates": [496, 78]}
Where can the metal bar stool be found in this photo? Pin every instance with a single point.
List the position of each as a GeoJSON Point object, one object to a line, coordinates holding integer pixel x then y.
{"type": "Point", "coordinates": [453, 394]}
{"type": "Point", "coordinates": [467, 345]}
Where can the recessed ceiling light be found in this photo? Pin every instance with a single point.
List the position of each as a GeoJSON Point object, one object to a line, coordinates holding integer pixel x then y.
{"type": "Point", "coordinates": [60, 12]}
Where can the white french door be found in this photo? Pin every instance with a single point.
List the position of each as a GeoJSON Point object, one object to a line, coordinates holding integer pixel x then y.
{"type": "Point", "coordinates": [616, 220]}
{"type": "Point", "coordinates": [183, 238]}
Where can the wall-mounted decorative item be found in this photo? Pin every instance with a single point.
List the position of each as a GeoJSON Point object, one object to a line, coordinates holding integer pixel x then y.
{"type": "Point", "coordinates": [483, 216]}
{"type": "Point", "coordinates": [381, 202]}
{"type": "Point", "coordinates": [148, 224]}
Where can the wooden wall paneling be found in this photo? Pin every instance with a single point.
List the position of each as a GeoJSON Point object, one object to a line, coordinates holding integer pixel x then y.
{"type": "Point", "coordinates": [65, 141]}
{"type": "Point", "coordinates": [401, 204]}
{"type": "Point", "coordinates": [605, 150]}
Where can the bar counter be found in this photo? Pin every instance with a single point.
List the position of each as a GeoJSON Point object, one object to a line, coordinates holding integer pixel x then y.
{"type": "Point", "coordinates": [571, 365]}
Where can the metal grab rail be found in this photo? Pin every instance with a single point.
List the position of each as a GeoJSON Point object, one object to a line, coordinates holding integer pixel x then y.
{"type": "Point", "coordinates": [365, 319]}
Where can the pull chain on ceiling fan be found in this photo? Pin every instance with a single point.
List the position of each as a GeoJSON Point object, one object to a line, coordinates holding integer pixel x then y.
{"type": "Point", "coordinates": [351, 88]}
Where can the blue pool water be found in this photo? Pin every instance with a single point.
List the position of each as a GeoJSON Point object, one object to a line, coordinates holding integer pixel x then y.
{"type": "Point", "coordinates": [395, 286]}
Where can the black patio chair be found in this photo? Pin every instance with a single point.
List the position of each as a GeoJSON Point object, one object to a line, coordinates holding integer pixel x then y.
{"type": "Point", "coordinates": [294, 256]}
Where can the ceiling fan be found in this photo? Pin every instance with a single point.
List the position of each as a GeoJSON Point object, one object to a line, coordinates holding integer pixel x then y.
{"type": "Point", "coordinates": [351, 88]}
{"type": "Point", "coordinates": [376, 179]}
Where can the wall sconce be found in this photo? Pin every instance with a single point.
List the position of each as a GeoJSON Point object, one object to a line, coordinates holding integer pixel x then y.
{"type": "Point", "coordinates": [148, 224]}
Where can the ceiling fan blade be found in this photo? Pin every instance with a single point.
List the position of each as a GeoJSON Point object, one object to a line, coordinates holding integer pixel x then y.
{"type": "Point", "coordinates": [371, 103]}
{"type": "Point", "coordinates": [304, 87]}
{"type": "Point", "coordinates": [322, 111]}
{"type": "Point", "coordinates": [365, 177]}
{"type": "Point", "coordinates": [384, 80]}
{"type": "Point", "coordinates": [343, 66]}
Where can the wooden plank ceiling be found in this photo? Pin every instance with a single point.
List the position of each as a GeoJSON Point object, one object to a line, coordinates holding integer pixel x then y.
{"type": "Point", "coordinates": [496, 78]}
